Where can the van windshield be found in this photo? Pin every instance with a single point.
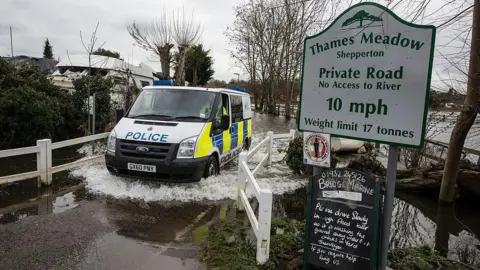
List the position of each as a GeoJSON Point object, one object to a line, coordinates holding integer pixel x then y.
{"type": "Point", "coordinates": [173, 104]}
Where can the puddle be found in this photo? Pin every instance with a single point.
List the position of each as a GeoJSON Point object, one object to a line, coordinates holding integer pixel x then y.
{"type": "Point", "coordinates": [112, 251]}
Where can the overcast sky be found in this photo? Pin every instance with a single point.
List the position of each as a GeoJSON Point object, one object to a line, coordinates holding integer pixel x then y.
{"type": "Point", "coordinates": [61, 21]}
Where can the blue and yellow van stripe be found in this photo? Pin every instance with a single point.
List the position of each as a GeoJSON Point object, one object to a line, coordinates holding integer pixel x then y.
{"type": "Point", "coordinates": [224, 142]}
{"type": "Point", "coordinates": [204, 142]}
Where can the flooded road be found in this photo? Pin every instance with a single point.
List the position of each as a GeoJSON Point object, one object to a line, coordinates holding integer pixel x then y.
{"type": "Point", "coordinates": [90, 219]}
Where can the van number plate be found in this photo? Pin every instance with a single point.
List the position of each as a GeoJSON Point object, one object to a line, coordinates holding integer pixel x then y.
{"type": "Point", "coordinates": [142, 167]}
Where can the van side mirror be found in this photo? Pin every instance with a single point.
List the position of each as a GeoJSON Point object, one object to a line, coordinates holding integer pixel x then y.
{"type": "Point", "coordinates": [224, 122]}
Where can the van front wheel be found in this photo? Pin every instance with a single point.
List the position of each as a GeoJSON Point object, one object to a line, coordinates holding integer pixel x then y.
{"type": "Point", "coordinates": [212, 168]}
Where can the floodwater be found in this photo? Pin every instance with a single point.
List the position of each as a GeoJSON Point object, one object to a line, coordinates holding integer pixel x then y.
{"type": "Point", "coordinates": [90, 219]}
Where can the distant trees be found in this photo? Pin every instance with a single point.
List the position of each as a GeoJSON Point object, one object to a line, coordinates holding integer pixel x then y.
{"type": "Point", "coordinates": [161, 37]}
{"type": "Point", "coordinates": [214, 83]}
{"type": "Point", "coordinates": [268, 38]}
{"type": "Point", "coordinates": [47, 50]}
{"type": "Point", "coordinates": [107, 53]}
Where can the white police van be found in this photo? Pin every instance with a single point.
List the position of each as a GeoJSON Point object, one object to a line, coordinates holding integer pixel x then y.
{"type": "Point", "coordinates": [180, 134]}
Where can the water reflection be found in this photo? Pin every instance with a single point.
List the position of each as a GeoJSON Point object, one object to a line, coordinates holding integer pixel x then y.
{"type": "Point", "coordinates": [154, 222]}
{"type": "Point", "coordinates": [451, 232]}
{"type": "Point", "coordinates": [45, 203]}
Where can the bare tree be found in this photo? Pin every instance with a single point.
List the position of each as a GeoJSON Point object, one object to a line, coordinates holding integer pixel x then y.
{"type": "Point", "coordinates": [268, 35]}
{"type": "Point", "coordinates": [467, 116]}
{"type": "Point", "coordinates": [90, 49]}
{"type": "Point", "coordinates": [157, 39]}
{"type": "Point", "coordinates": [186, 31]}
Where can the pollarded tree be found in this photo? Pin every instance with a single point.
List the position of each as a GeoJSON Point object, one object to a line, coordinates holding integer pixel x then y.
{"type": "Point", "coordinates": [156, 39]}
{"type": "Point", "coordinates": [186, 32]}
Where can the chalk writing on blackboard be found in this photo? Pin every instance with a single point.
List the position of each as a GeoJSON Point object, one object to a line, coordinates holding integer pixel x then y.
{"type": "Point", "coordinates": [341, 219]}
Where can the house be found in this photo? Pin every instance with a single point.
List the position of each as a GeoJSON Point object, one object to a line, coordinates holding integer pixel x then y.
{"type": "Point", "coordinates": [122, 73]}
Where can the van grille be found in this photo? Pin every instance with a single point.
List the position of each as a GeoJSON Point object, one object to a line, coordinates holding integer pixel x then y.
{"type": "Point", "coordinates": [169, 124]}
{"type": "Point", "coordinates": [157, 151]}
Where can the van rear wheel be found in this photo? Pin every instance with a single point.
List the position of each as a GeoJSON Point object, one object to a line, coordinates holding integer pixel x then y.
{"type": "Point", "coordinates": [246, 144]}
{"type": "Point", "coordinates": [212, 168]}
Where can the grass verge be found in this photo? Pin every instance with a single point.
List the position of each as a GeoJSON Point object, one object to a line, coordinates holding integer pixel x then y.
{"type": "Point", "coordinates": [225, 247]}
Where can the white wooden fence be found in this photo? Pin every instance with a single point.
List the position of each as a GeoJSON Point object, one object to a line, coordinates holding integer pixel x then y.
{"type": "Point", "coordinates": [43, 149]}
{"type": "Point", "coordinates": [261, 225]}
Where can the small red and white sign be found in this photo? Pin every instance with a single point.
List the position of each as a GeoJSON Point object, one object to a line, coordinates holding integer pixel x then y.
{"type": "Point", "coordinates": [316, 149]}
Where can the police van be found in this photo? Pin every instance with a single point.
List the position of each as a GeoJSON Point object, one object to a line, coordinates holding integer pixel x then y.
{"type": "Point", "coordinates": [180, 134]}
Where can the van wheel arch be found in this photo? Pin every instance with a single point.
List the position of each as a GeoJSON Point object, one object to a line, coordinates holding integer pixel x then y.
{"type": "Point", "coordinates": [214, 157]}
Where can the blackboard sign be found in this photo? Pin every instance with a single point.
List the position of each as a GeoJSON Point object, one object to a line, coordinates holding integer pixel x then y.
{"type": "Point", "coordinates": [343, 220]}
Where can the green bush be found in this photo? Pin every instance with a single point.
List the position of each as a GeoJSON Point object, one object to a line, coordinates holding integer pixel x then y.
{"type": "Point", "coordinates": [32, 107]}
{"type": "Point", "coordinates": [294, 158]}
{"type": "Point", "coordinates": [421, 258]}
{"type": "Point", "coordinates": [103, 110]}
{"type": "Point", "coordinates": [368, 163]}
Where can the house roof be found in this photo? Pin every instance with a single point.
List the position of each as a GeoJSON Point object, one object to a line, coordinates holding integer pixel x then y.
{"type": "Point", "coordinates": [103, 62]}
{"type": "Point", "coordinates": [43, 63]}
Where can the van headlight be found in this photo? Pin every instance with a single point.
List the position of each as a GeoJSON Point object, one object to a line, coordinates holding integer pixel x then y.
{"type": "Point", "coordinates": [112, 139]}
{"type": "Point", "coordinates": [187, 148]}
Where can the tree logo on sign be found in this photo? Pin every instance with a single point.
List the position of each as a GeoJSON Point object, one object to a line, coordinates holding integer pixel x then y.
{"type": "Point", "coordinates": [361, 16]}
{"type": "Point", "coordinates": [317, 147]}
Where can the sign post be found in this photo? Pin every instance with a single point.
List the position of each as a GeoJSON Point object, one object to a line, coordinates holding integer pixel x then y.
{"type": "Point", "coordinates": [367, 77]}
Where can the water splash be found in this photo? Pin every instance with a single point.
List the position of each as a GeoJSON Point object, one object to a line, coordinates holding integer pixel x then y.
{"type": "Point", "coordinates": [278, 178]}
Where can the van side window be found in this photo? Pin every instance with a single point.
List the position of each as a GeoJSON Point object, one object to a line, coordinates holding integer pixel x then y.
{"type": "Point", "coordinates": [237, 108]}
{"type": "Point", "coordinates": [222, 108]}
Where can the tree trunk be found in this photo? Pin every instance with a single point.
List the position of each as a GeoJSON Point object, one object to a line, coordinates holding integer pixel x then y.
{"type": "Point", "coordinates": [255, 99]}
{"type": "Point", "coordinates": [194, 79]}
{"type": "Point", "coordinates": [180, 72]}
{"type": "Point", "coordinates": [467, 115]}
{"type": "Point", "coordinates": [164, 53]}
{"type": "Point", "coordinates": [287, 109]}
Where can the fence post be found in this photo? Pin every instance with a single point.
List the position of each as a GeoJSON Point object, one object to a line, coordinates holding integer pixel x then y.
{"type": "Point", "coordinates": [242, 183]}
{"type": "Point", "coordinates": [292, 134]}
{"type": "Point", "coordinates": [265, 201]}
{"type": "Point", "coordinates": [270, 147]}
{"type": "Point", "coordinates": [44, 161]}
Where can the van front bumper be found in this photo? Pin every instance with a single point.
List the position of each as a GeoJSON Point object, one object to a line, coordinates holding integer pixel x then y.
{"type": "Point", "coordinates": [177, 170]}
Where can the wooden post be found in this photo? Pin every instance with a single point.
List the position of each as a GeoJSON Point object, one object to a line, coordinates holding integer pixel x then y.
{"type": "Point", "coordinates": [241, 180]}
{"type": "Point", "coordinates": [270, 147]}
{"type": "Point", "coordinates": [44, 162]}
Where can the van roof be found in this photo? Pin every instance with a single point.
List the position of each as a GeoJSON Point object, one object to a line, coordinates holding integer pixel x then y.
{"type": "Point", "coordinates": [216, 90]}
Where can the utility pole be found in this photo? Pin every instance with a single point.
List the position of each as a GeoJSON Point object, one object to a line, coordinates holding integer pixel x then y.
{"type": "Point", "coordinates": [467, 115]}
{"type": "Point", "coordinates": [11, 40]}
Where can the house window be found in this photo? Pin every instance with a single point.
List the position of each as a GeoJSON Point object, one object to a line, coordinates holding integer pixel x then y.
{"type": "Point", "coordinates": [145, 83]}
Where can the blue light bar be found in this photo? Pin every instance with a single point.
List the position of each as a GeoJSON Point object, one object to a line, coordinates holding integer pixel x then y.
{"type": "Point", "coordinates": [163, 82]}
{"type": "Point", "coordinates": [238, 89]}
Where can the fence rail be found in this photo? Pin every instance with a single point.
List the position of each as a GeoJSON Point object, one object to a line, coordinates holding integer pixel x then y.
{"type": "Point", "coordinates": [44, 149]}
{"type": "Point", "coordinates": [439, 154]}
{"type": "Point", "coordinates": [261, 225]}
